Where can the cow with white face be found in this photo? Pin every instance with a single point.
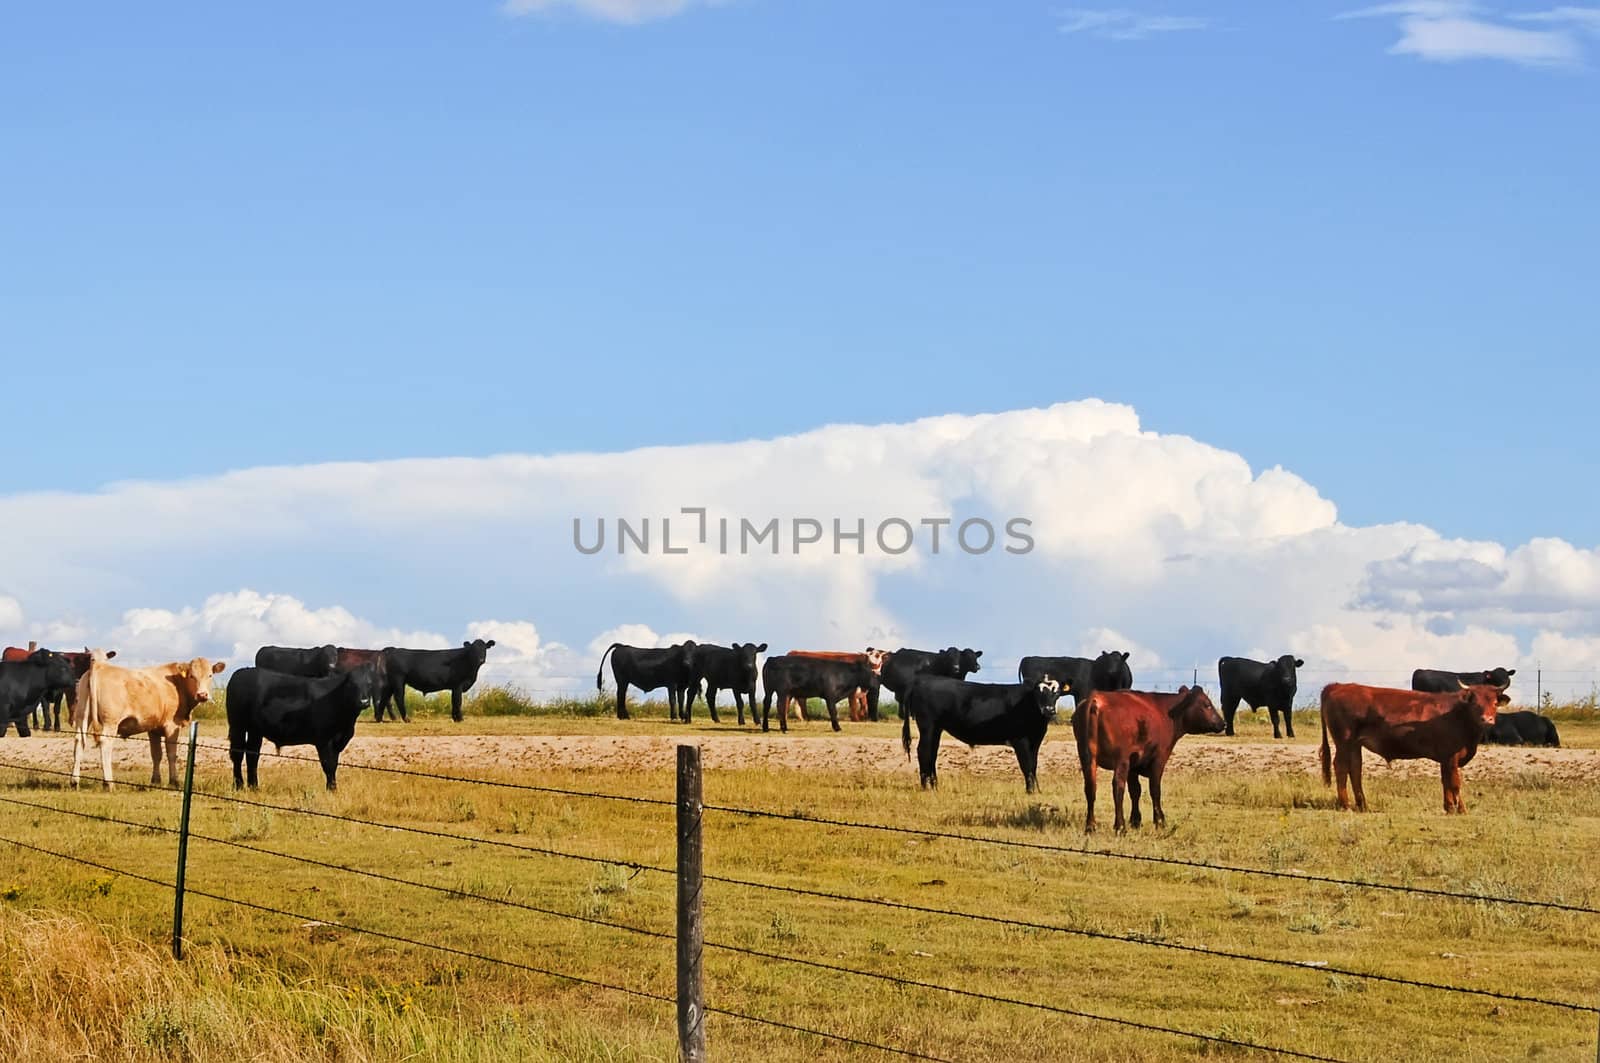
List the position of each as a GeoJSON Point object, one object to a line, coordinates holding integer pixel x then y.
{"type": "Point", "coordinates": [155, 701]}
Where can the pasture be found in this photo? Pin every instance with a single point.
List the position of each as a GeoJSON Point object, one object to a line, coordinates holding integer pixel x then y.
{"type": "Point", "coordinates": [86, 970]}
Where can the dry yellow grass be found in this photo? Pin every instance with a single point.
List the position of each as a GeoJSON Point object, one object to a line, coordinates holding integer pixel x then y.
{"type": "Point", "coordinates": [85, 972]}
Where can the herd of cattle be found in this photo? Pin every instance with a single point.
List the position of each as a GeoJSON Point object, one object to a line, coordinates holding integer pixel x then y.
{"type": "Point", "coordinates": [313, 696]}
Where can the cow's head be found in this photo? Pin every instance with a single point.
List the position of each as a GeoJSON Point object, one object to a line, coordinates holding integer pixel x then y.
{"type": "Point", "coordinates": [327, 659]}
{"type": "Point", "coordinates": [193, 679]}
{"type": "Point", "coordinates": [1110, 671]}
{"type": "Point", "coordinates": [683, 653]}
{"type": "Point", "coordinates": [875, 659]}
{"type": "Point", "coordinates": [1283, 671]}
{"type": "Point", "coordinates": [966, 661]}
{"type": "Point", "coordinates": [1500, 677]}
{"type": "Point", "coordinates": [1194, 713]}
{"type": "Point", "coordinates": [57, 668]}
{"type": "Point", "coordinates": [1046, 694]}
{"type": "Point", "coordinates": [1481, 702]}
{"type": "Point", "coordinates": [477, 651]}
{"type": "Point", "coordinates": [746, 652]}
{"type": "Point", "coordinates": [363, 679]}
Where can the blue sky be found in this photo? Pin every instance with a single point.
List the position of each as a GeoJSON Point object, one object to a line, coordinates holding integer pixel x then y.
{"type": "Point", "coordinates": [249, 234]}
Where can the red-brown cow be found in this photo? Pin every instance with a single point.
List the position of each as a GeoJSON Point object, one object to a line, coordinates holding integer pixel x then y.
{"type": "Point", "coordinates": [1131, 733]}
{"type": "Point", "coordinates": [47, 713]}
{"type": "Point", "coordinates": [796, 709]}
{"type": "Point", "coordinates": [1404, 725]}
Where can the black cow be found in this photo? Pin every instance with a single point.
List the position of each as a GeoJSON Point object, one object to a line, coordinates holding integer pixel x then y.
{"type": "Point", "coordinates": [979, 714]}
{"type": "Point", "coordinates": [313, 663]}
{"type": "Point", "coordinates": [1082, 676]}
{"type": "Point", "coordinates": [810, 677]}
{"type": "Point", "coordinates": [1433, 681]}
{"type": "Point", "coordinates": [295, 710]}
{"type": "Point", "coordinates": [1266, 685]}
{"type": "Point", "coordinates": [383, 698]}
{"type": "Point", "coordinates": [724, 668]}
{"type": "Point", "coordinates": [651, 669]}
{"type": "Point", "coordinates": [430, 671]}
{"type": "Point", "coordinates": [1522, 729]}
{"type": "Point", "coordinates": [903, 666]}
{"type": "Point", "coordinates": [47, 713]}
{"type": "Point", "coordinates": [23, 683]}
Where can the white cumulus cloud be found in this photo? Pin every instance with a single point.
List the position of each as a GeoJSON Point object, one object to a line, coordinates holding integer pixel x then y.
{"type": "Point", "coordinates": [1147, 541]}
{"type": "Point", "coordinates": [1454, 30]}
{"type": "Point", "coordinates": [627, 12]}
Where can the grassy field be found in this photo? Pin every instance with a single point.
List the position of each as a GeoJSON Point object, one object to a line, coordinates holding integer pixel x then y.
{"type": "Point", "coordinates": [85, 972]}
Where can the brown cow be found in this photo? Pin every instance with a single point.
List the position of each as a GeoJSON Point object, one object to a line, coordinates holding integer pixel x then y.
{"type": "Point", "coordinates": [1131, 733]}
{"type": "Point", "coordinates": [1404, 725]}
{"type": "Point", "coordinates": [47, 714]}
{"type": "Point", "coordinates": [796, 709]}
{"type": "Point", "coordinates": [156, 701]}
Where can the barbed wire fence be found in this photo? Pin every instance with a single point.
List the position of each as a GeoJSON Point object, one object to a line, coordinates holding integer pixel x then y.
{"type": "Point", "coordinates": [690, 876]}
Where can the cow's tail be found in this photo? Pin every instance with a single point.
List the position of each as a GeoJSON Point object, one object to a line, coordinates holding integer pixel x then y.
{"type": "Point", "coordinates": [1019, 673]}
{"type": "Point", "coordinates": [598, 684]}
{"type": "Point", "coordinates": [905, 721]}
{"type": "Point", "coordinates": [89, 705]}
{"type": "Point", "coordinates": [1327, 757]}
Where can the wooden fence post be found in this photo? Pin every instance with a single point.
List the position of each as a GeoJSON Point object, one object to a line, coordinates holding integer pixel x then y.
{"type": "Point", "coordinates": [183, 845]}
{"type": "Point", "coordinates": [691, 932]}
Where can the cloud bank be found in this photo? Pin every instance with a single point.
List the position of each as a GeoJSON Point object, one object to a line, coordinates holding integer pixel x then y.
{"type": "Point", "coordinates": [1156, 542]}
{"type": "Point", "coordinates": [1454, 30]}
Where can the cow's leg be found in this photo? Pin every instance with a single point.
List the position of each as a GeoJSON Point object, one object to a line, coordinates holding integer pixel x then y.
{"type": "Point", "coordinates": [1230, 706]}
{"type": "Point", "coordinates": [236, 741]}
{"type": "Point", "coordinates": [155, 758]}
{"type": "Point", "coordinates": [77, 755]}
{"type": "Point", "coordinates": [172, 757]}
{"type": "Point", "coordinates": [1450, 776]}
{"type": "Point", "coordinates": [622, 700]}
{"type": "Point", "coordinates": [711, 701]}
{"type": "Point", "coordinates": [1119, 788]}
{"type": "Point", "coordinates": [1158, 815]}
{"type": "Point", "coordinates": [400, 701]}
{"type": "Point", "coordinates": [105, 761]}
{"type": "Point", "coordinates": [1027, 760]}
{"type": "Point", "coordinates": [872, 701]}
{"type": "Point", "coordinates": [252, 757]}
{"type": "Point", "coordinates": [833, 714]}
{"type": "Point", "coordinates": [928, 754]}
{"type": "Point", "coordinates": [1087, 761]}
{"type": "Point", "coordinates": [1341, 773]}
{"type": "Point", "coordinates": [329, 756]}
{"type": "Point", "coordinates": [1355, 776]}
{"type": "Point", "coordinates": [1288, 720]}
{"type": "Point", "coordinates": [1135, 819]}
{"type": "Point", "coordinates": [455, 704]}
